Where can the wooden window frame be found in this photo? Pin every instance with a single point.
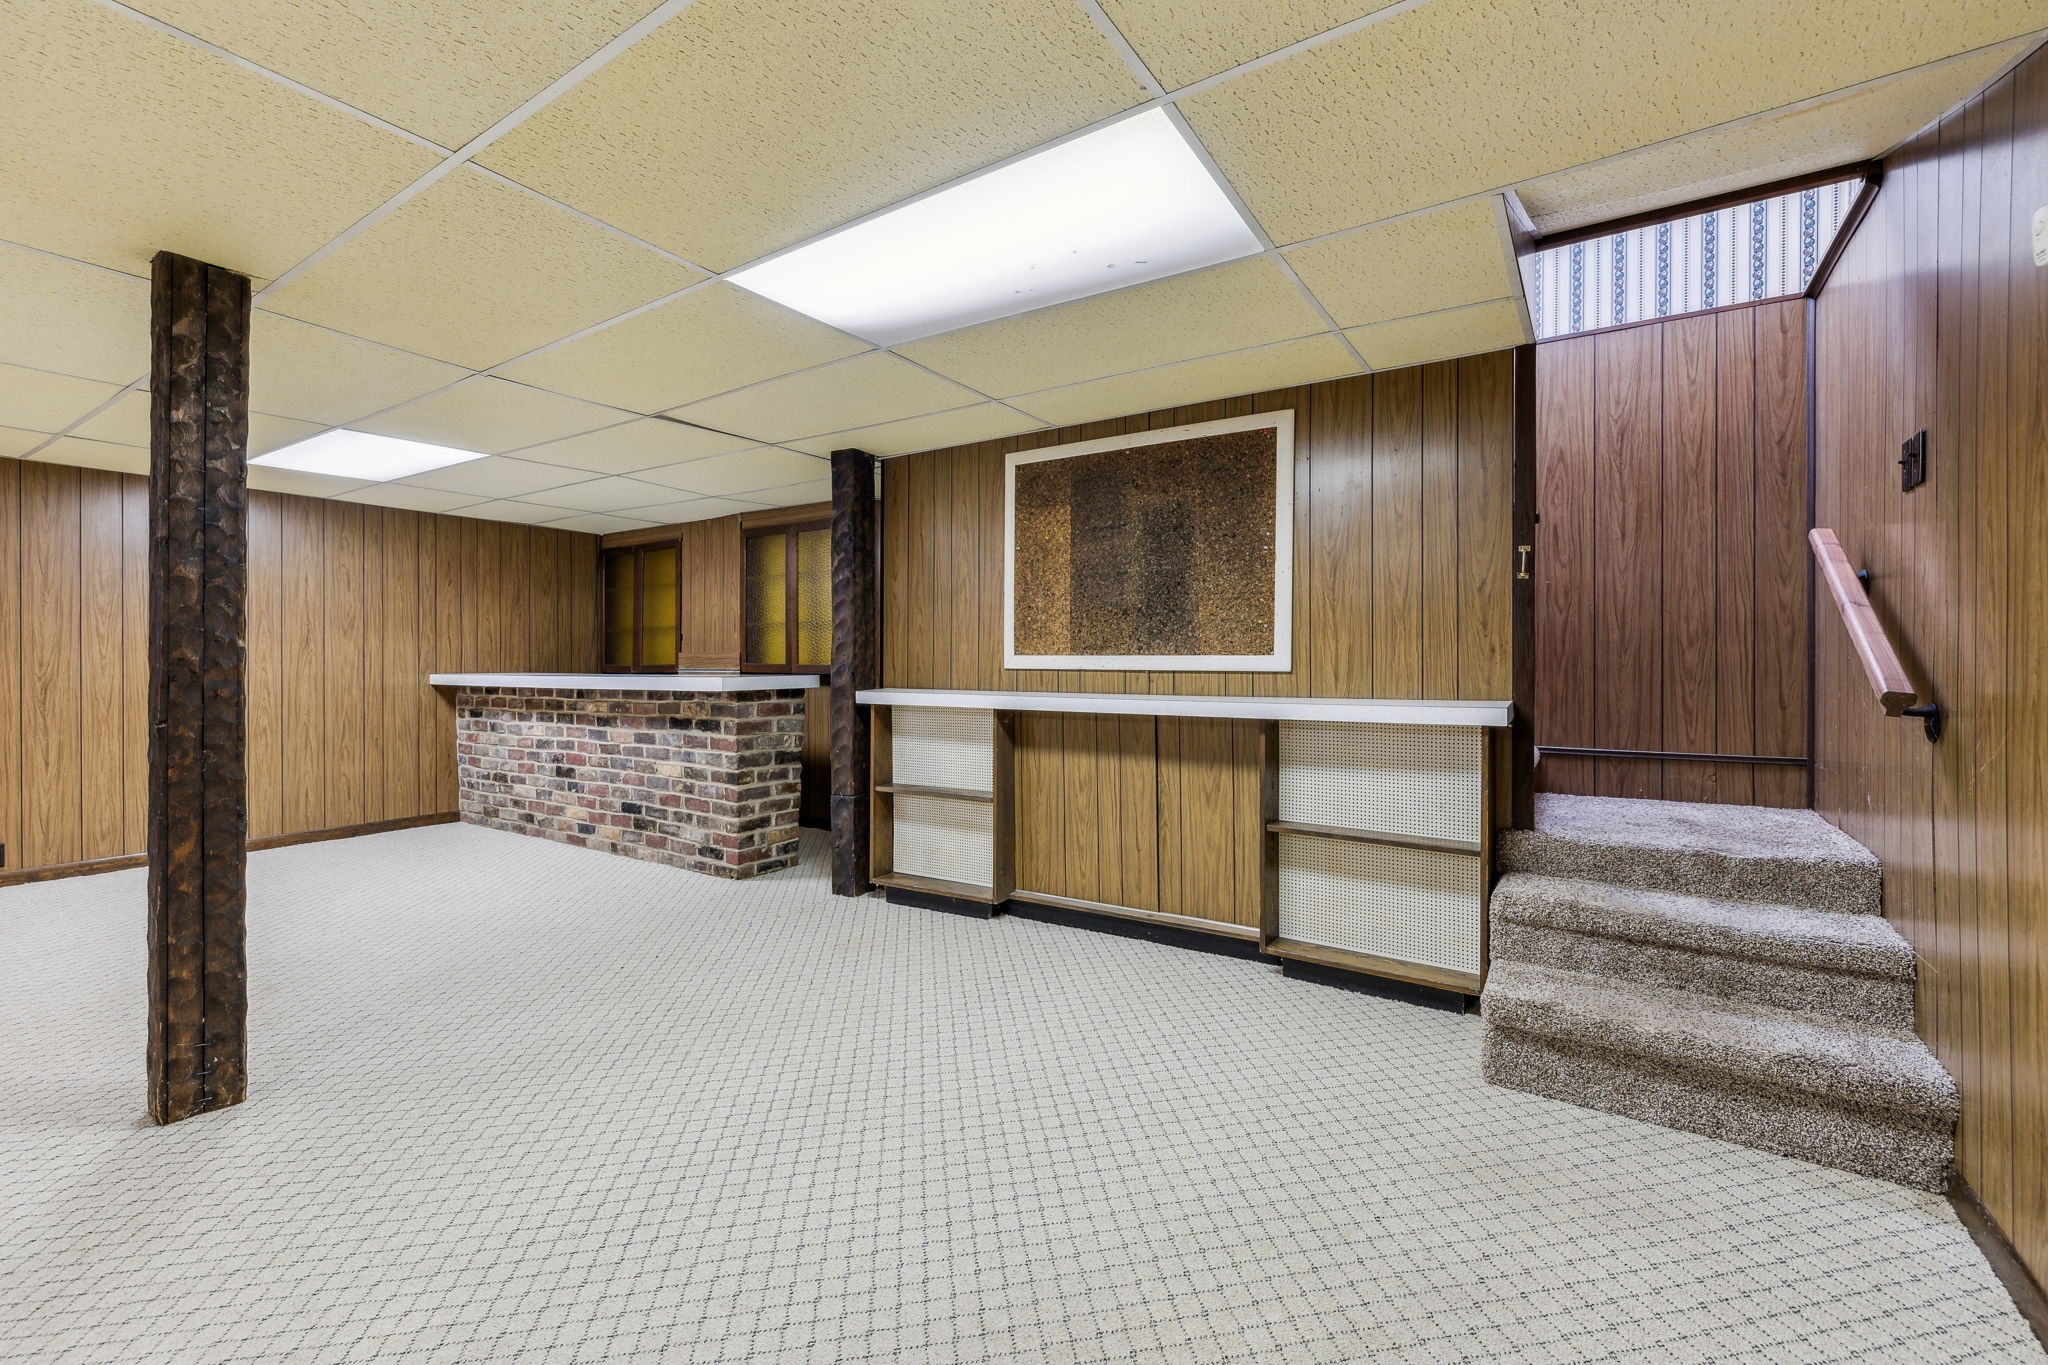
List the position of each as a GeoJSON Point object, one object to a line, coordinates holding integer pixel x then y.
{"type": "Point", "coordinates": [789, 530]}
{"type": "Point", "coordinates": [638, 551]}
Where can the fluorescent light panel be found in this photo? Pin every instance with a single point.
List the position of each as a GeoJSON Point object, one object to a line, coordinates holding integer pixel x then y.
{"type": "Point", "coordinates": [1120, 206]}
{"type": "Point", "coordinates": [361, 455]}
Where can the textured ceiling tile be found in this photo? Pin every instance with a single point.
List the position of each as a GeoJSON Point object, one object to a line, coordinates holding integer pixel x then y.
{"type": "Point", "coordinates": [126, 422]}
{"type": "Point", "coordinates": [957, 428]}
{"type": "Point", "coordinates": [123, 141]}
{"type": "Point", "coordinates": [864, 391]}
{"type": "Point", "coordinates": [1185, 40]}
{"type": "Point", "coordinates": [410, 498]}
{"type": "Point", "coordinates": [606, 495]}
{"type": "Point", "coordinates": [795, 494]}
{"type": "Point", "coordinates": [444, 69]}
{"type": "Point", "coordinates": [498, 476]}
{"type": "Point", "coordinates": [1460, 96]}
{"type": "Point", "coordinates": [475, 271]}
{"type": "Point", "coordinates": [635, 445]}
{"type": "Point", "coordinates": [739, 127]}
{"type": "Point", "coordinates": [315, 375]}
{"type": "Point", "coordinates": [51, 402]}
{"type": "Point", "coordinates": [531, 513]}
{"type": "Point", "coordinates": [1221, 376]}
{"type": "Point", "coordinates": [715, 339]}
{"type": "Point", "coordinates": [1225, 308]}
{"type": "Point", "coordinates": [1836, 132]}
{"type": "Point", "coordinates": [14, 442]}
{"type": "Point", "coordinates": [598, 524]}
{"type": "Point", "coordinates": [738, 475]}
{"type": "Point", "coordinates": [491, 415]}
{"type": "Point", "coordinates": [1440, 336]}
{"type": "Point", "coordinates": [70, 317]}
{"type": "Point", "coordinates": [695, 509]}
{"type": "Point", "coordinates": [266, 479]}
{"type": "Point", "coordinates": [1423, 264]}
{"type": "Point", "coordinates": [74, 450]}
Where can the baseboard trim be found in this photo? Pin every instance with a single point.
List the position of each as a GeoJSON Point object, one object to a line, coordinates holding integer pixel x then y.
{"type": "Point", "coordinates": [1386, 988]}
{"type": "Point", "coordinates": [2012, 1272]}
{"type": "Point", "coordinates": [59, 871]}
{"type": "Point", "coordinates": [1138, 925]}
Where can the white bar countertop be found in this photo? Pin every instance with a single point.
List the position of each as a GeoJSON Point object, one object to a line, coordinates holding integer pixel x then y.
{"type": "Point", "coordinates": [632, 682]}
{"type": "Point", "coordinates": [1362, 710]}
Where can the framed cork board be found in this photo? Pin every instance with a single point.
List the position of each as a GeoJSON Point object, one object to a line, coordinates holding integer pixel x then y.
{"type": "Point", "coordinates": [1170, 550]}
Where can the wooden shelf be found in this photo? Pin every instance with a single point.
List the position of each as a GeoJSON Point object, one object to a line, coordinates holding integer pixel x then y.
{"type": "Point", "coordinates": [934, 886]}
{"type": "Point", "coordinates": [943, 793]}
{"type": "Point", "coordinates": [1361, 836]}
{"type": "Point", "coordinates": [1355, 710]}
{"type": "Point", "coordinates": [1415, 973]}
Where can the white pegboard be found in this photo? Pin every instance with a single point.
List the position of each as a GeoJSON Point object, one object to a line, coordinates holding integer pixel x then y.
{"type": "Point", "coordinates": [951, 840]}
{"type": "Point", "coordinates": [1412, 905]}
{"type": "Point", "coordinates": [1424, 780]}
{"type": "Point", "coordinates": [934, 747]}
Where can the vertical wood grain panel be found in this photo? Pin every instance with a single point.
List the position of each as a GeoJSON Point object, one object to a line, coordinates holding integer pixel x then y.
{"type": "Point", "coordinates": [12, 711]}
{"type": "Point", "coordinates": [51, 831]}
{"type": "Point", "coordinates": [1486, 454]}
{"type": "Point", "coordinates": [1688, 553]}
{"type": "Point", "coordinates": [342, 646]}
{"type": "Point", "coordinates": [1442, 629]}
{"type": "Point", "coordinates": [1628, 571]}
{"type": "Point", "coordinates": [265, 670]}
{"type": "Point", "coordinates": [1735, 566]}
{"type": "Point", "coordinates": [1397, 534]}
{"type": "Point", "coordinates": [1565, 547]}
{"type": "Point", "coordinates": [1782, 594]}
{"type": "Point", "coordinates": [99, 760]}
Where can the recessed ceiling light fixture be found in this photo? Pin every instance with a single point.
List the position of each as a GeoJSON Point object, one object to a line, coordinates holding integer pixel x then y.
{"type": "Point", "coordinates": [1119, 206]}
{"type": "Point", "coordinates": [361, 455]}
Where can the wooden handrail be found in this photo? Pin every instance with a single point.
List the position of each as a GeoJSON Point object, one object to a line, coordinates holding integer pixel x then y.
{"type": "Point", "coordinates": [1880, 661]}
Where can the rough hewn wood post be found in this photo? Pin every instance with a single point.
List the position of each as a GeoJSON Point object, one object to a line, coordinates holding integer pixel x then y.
{"type": "Point", "coordinates": [198, 820]}
{"type": "Point", "coordinates": [856, 662]}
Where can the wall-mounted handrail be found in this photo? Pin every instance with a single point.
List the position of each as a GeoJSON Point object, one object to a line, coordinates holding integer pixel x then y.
{"type": "Point", "coordinates": [1881, 663]}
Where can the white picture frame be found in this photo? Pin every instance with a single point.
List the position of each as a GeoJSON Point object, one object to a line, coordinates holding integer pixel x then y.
{"type": "Point", "coordinates": [1280, 660]}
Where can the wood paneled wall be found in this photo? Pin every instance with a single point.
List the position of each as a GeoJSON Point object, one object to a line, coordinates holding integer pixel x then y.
{"type": "Point", "coordinates": [1672, 590]}
{"type": "Point", "coordinates": [1402, 585]}
{"type": "Point", "coordinates": [1937, 318]}
{"type": "Point", "coordinates": [350, 607]}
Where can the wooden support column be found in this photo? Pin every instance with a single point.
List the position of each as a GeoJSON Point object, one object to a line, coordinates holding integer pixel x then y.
{"type": "Point", "coordinates": [856, 662]}
{"type": "Point", "coordinates": [198, 815]}
{"type": "Point", "coordinates": [1522, 609]}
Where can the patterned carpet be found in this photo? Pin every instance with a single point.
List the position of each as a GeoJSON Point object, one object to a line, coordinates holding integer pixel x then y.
{"type": "Point", "coordinates": [516, 1101]}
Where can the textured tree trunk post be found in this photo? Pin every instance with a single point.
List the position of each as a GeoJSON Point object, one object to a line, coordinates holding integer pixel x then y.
{"type": "Point", "coordinates": [198, 820]}
{"type": "Point", "coordinates": [856, 659]}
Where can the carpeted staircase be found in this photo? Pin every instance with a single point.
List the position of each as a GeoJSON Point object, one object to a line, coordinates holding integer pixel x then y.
{"type": "Point", "coordinates": [1720, 969]}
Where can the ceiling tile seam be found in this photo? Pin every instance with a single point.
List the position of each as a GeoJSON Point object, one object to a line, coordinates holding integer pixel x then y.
{"type": "Point", "coordinates": [1296, 48]}
{"type": "Point", "coordinates": [1114, 36]}
{"type": "Point", "coordinates": [527, 108]}
{"type": "Point", "coordinates": [593, 220]}
{"type": "Point", "coordinates": [123, 392]}
{"type": "Point", "coordinates": [985, 397]}
{"type": "Point", "coordinates": [1173, 364]}
{"type": "Point", "coordinates": [942, 412]}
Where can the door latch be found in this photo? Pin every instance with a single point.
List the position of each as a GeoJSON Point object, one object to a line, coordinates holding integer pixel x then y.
{"type": "Point", "coordinates": [1524, 554]}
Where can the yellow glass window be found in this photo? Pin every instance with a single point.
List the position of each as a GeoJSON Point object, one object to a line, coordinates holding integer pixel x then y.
{"type": "Point", "coordinates": [658, 607]}
{"type": "Point", "coordinates": [814, 598]}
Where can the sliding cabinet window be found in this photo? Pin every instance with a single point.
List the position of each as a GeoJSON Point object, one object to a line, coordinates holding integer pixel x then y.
{"type": "Point", "coordinates": [789, 597]}
{"type": "Point", "coordinates": [640, 609]}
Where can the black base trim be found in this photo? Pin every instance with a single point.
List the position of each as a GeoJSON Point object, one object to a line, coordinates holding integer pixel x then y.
{"type": "Point", "coordinates": [1429, 997]}
{"type": "Point", "coordinates": [2005, 1263]}
{"type": "Point", "coordinates": [951, 905]}
{"type": "Point", "coordinates": [1222, 945]}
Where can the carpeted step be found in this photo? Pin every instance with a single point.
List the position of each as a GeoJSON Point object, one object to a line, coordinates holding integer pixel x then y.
{"type": "Point", "coordinates": [1741, 853]}
{"type": "Point", "coordinates": [1854, 968]}
{"type": "Point", "coordinates": [1859, 1099]}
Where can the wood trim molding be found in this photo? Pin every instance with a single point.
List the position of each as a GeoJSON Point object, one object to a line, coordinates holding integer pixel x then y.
{"type": "Point", "coordinates": [817, 513]}
{"type": "Point", "coordinates": [1860, 170]}
{"type": "Point", "coordinates": [129, 861]}
{"type": "Point", "coordinates": [1873, 181]}
{"type": "Point", "coordinates": [1670, 755]}
{"type": "Point", "coordinates": [646, 535]}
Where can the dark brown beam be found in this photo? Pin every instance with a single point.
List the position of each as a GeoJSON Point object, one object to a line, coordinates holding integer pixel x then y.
{"type": "Point", "coordinates": [198, 573]}
{"type": "Point", "coordinates": [856, 662]}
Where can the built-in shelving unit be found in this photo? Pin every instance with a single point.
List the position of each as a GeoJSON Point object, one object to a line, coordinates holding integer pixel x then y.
{"type": "Point", "coordinates": [943, 809]}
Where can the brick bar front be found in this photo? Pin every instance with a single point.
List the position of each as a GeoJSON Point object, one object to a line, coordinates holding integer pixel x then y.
{"type": "Point", "coordinates": [707, 781]}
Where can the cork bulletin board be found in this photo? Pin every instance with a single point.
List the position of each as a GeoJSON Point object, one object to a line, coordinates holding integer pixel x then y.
{"type": "Point", "coordinates": [1170, 550]}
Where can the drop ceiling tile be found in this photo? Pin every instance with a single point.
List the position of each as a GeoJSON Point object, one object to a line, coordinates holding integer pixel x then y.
{"type": "Point", "coordinates": [794, 495]}
{"type": "Point", "coordinates": [695, 509]}
{"type": "Point", "coordinates": [533, 514]}
{"type": "Point", "coordinates": [1456, 97]}
{"type": "Point", "coordinates": [1440, 336]}
{"type": "Point", "coordinates": [266, 479]}
{"type": "Point", "coordinates": [316, 375]}
{"type": "Point", "coordinates": [605, 495]}
{"type": "Point", "coordinates": [1835, 132]}
{"type": "Point", "coordinates": [15, 443]}
{"type": "Point", "coordinates": [734, 129]}
{"type": "Point", "coordinates": [738, 474]}
{"type": "Point", "coordinates": [444, 69]}
{"type": "Point", "coordinates": [1424, 264]}
{"type": "Point", "coordinates": [497, 476]}
{"type": "Point", "coordinates": [1185, 40]}
{"type": "Point", "coordinates": [635, 445]}
{"type": "Point", "coordinates": [410, 498]}
{"type": "Point", "coordinates": [123, 141]}
{"type": "Point", "coordinates": [962, 426]}
{"type": "Point", "coordinates": [706, 342]}
{"type": "Point", "coordinates": [71, 317]}
{"type": "Point", "coordinates": [599, 524]}
{"type": "Point", "coordinates": [74, 450]}
{"type": "Point", "coordinates": [1194, 381]}
{"type": "Point", "coordinates": [864, 391]}
{"type": "Point", "coordinates": [475, 271]}
{"type": "Point", "coordinates": [1224, 308]}
{"type": "Point", "coordinates": [491, 415]}
{"type": "Point", "coordinates": [41, 401]}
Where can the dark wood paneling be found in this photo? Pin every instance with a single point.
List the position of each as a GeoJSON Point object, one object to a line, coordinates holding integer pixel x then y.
{"type": "Point", "coordinates": [1936, 318]}
{"type": "Point", "coordinates": [349, 609]}
{"type": "Point", "coordinates": [1671, 575]}
{"type": "Point", "coordinates": [708, 595]}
